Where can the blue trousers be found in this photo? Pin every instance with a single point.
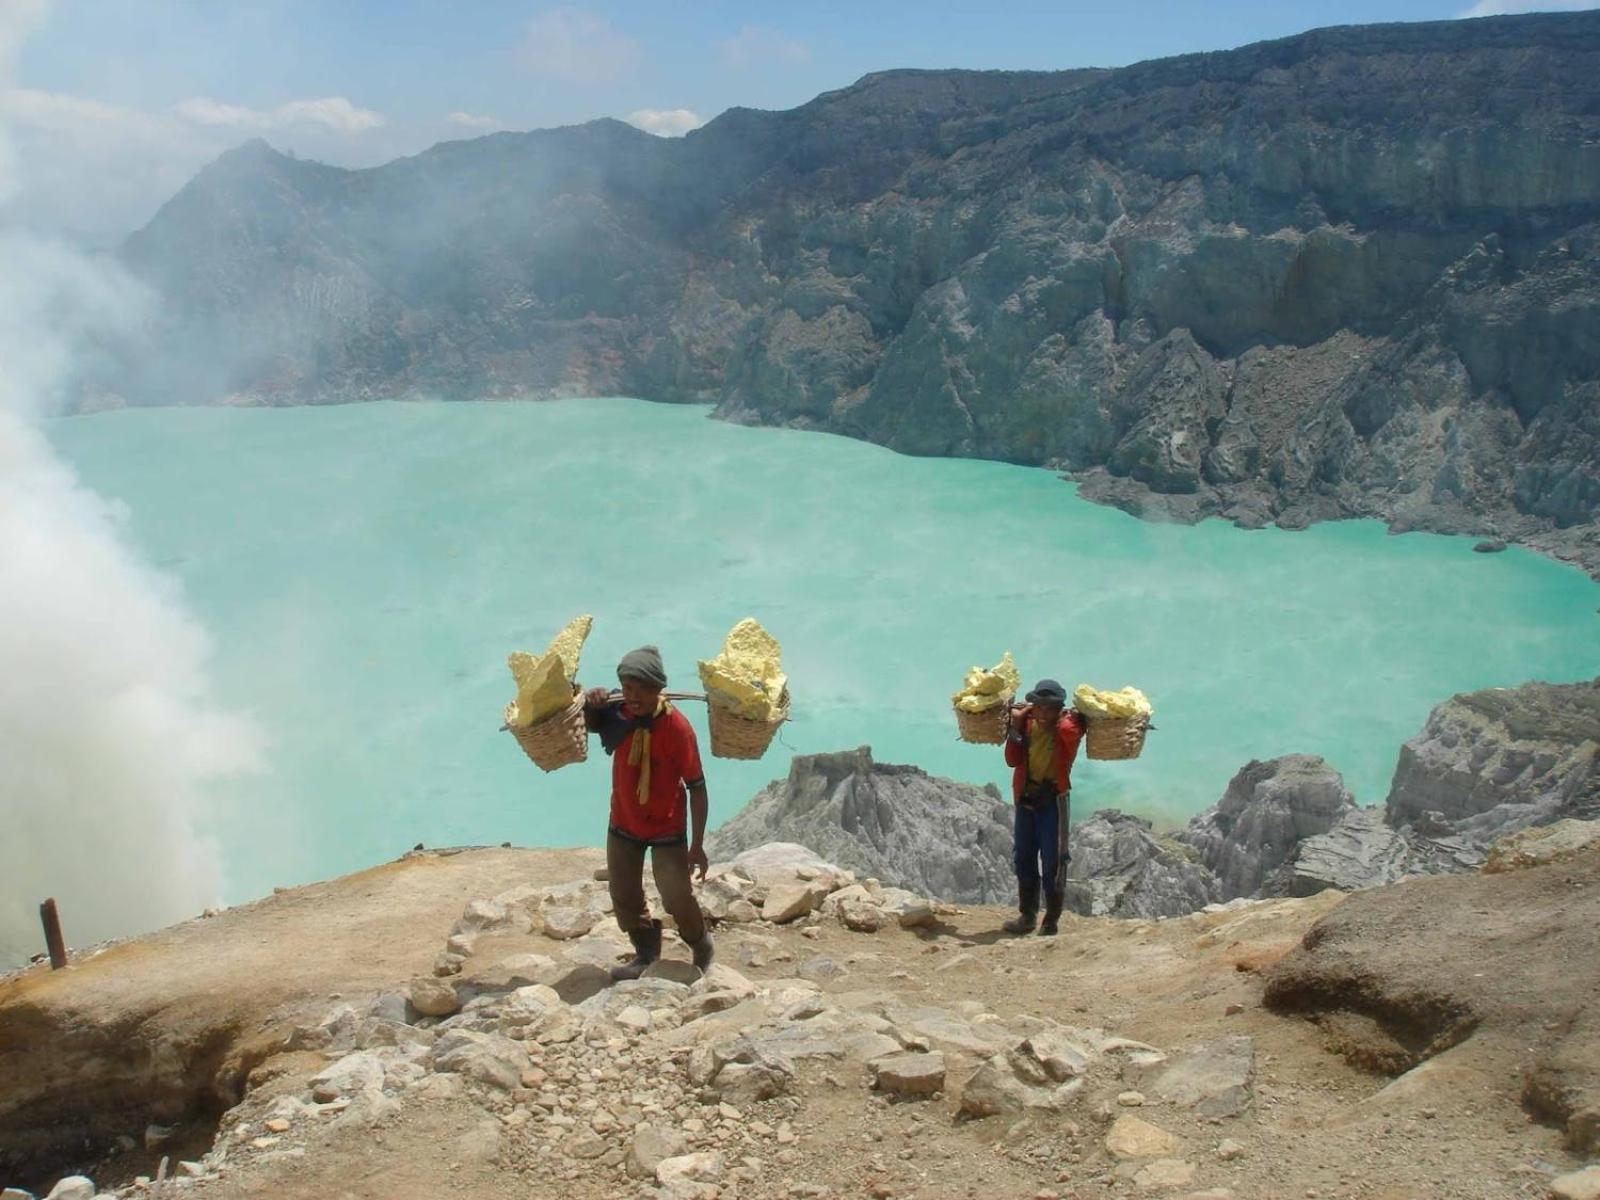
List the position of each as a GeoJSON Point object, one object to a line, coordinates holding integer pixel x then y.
{"type": "Point", "coordinates": [1039, 845]}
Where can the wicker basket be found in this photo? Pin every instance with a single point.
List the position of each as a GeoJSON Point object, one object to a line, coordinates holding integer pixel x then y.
{"type": "Point", "coordinates": [733, 736]}
{"type": "Point", "coordinates": [1115, 737]}
{"type": "Point", "coordinates": [987, 728]}
{"type": "Point", "coordinates": [555, 741]}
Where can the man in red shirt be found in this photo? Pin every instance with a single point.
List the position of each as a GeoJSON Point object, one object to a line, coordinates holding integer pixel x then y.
{"type": "Point", "coordinates": [657, 788]}
{"type": "Point", "coordinates": [1040, 748]}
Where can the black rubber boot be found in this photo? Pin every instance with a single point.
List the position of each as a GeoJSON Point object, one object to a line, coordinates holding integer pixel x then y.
{"type": "Point", "coordinates": [646, 949]}
{"type": "Point", "coordinates": [1052, 914]}
{"type": "Point", "coordinates": [1028, 909]}
{"type": "Point", "coordinates": [704, 951]}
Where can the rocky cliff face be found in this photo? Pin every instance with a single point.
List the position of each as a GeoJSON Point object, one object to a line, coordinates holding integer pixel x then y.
{"type": "Point", "coordinates": [1120, 868]}
{"type": "Point", "coordinates": [935, 837]}
{"type": "Point", "coordinates": [1491, 762]}
{"type": "Point", "coordinates": [1351, 273]}
{"type": "Point", "coordinates": [1268, 810]}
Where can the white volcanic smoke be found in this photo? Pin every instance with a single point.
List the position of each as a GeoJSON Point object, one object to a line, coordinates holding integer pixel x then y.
{"type": "Point", "coordinates": [108, 734]}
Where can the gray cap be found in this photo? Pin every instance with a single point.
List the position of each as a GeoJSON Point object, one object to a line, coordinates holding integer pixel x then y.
{"type": "Point", "coordinates": [645, 665]}
{"type": "Point", "coordinates": [1047, 691]}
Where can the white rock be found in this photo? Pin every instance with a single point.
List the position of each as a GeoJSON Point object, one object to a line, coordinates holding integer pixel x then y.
{"type": "Point", "coordinates": [1228, 1150]}
{"type": "Point", "coordinates": [528, 1005]}
{"type": "Point", "coordinates": [742, 912]}
{"type": "Point", "coordinates": [634, 1017]}
{"type": "Point", "coordinates": [773, 861]}
{"type": "Point", "coordinates": [1165, 1173]}
{"type": "Point", "coordinates": [1578, 1185]}
{"type": "Point", "coordinates": [1060, 1057]}
{"type": "Point", "coordinates": [704, 1167]}
{"type": "Point", "coordinates": [789, 900]}
{"type": "Point", "coordinates": [349, 1076]}
{"type": "Point", "coordinates": [723, 978]}
{"type": "Point", "coordinates": [487, 1058]}
{"type": "Point", "coordinates": [863, 916]}
{"type": "Point", "coordinates": [73, 1187]}
{"type": "Point", "coordinates": [830, 907]}
{"type": "Point", "coordinates": [563, 924]}
{"type": "Point", "coordinates": [907, 908]}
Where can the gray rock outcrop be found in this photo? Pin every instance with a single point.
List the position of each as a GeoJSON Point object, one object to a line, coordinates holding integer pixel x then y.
{"type": "Point", "coordinates": [1359, 851]}
{"type": "Point", "coordinates": [1120, 868]}
{"type": "Point", "coordinates": [1268, 810]}
{"type": "Point", "coordinates": [932, 836]}
{"type": "Point", "coordinates": [1491, 762]}
{"type": "Point", "coordinates": [1350, 273]}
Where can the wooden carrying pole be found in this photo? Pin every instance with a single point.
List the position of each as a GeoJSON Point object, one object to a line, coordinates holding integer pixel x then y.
{"type": "Point", "coordinates": [666, 695]}
{"type": "Point", "coordinates": [52, 934]}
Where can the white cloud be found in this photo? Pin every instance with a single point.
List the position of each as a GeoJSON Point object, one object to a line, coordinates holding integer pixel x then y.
{"type": "Point", "coordinates": [471, 121]}
{"type": "Point", "coordinates": [202, 110]}
{"type": "Point", "coordinates": [665, 122]}
{"type": "Point", "coordinates": [1501, 8]}
{"type": "Point", "coordinates": [578, 47]}
{"type": "Point", "coordinates": [330, 112]}
{"type": "Point", "coordinates": [75, 116]}
{"type": "Point", "coordinates": [754, 45]}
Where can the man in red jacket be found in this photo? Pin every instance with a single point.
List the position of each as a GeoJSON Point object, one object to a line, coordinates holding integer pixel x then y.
{"type": "Point", "coordinates": [1041, 745]}
{"type": "Point", "coordinates": [655, 769]}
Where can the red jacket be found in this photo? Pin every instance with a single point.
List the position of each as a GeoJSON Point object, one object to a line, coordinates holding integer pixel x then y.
{"type": "Point", "coordinates": [1069, 732]}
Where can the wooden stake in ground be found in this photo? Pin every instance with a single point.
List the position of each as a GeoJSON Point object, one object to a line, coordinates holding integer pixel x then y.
{"type": "Point", "coordinates": [52, 934]}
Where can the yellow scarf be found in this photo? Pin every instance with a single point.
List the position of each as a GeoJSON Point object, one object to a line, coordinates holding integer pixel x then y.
{"type": "Point", "coordinates": [639, 751]}
{"type": "Point", "coordinates": [1041, 751]}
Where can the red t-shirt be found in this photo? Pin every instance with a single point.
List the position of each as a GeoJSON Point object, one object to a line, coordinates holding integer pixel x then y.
{"type": "Point", "coordinates": [674, 764]}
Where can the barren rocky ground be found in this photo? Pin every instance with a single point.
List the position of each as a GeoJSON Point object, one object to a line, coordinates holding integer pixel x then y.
{"type": "Point", "coordinates": [869, 1043]}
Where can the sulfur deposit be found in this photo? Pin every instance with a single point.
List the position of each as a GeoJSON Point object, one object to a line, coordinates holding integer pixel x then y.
{"type": "Point", "coordinates": [1128, 702]}
{"type": "Point", "coordinates": [984, 690]}
{"type": "Point", "coordinates": [545, 681]}
{"type": "Point", "coordinates": [747, 676]}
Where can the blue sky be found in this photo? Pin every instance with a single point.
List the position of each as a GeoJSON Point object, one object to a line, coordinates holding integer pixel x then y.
{"type": "Point", "coordinates": [109, 105]}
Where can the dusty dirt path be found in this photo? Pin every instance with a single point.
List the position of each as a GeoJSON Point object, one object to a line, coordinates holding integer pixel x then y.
{"type": "Point", "coordinates": [1317, 1126]}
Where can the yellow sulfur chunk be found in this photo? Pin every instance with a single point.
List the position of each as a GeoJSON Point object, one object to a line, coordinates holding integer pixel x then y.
{"type": "Point", "coordinates": [747, 676]}
{"type": "Point", "coordinates": [1129, 702]}
{"type": "Point", "coordinates": [569, 643]}
{"type": "Point", "coordinates": [544, 681]}
{"type": "Point", "coordinates": [984, 690]}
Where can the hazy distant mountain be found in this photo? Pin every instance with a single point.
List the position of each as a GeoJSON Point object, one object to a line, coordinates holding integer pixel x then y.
{"type": "Point", "coordinates": [1353, 272]}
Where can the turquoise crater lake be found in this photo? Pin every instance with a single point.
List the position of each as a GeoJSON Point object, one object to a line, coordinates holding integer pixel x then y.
{"type": "Point", "coordinates": [364, 570]}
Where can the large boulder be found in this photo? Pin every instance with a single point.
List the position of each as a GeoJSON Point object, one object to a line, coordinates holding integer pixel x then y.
{"type": "Point", "coordinates": [1497, 969]}
{"type": "Point", "coordinates": [1269, 808]}
{"type": "Point", "coordinates": [931, 836]}
{"type": "Point", "coordinates": [1492, 762]}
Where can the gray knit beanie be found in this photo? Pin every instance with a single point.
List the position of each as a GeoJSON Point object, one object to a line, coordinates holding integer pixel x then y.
{"type": "Point", "coordinates": [643, 664]}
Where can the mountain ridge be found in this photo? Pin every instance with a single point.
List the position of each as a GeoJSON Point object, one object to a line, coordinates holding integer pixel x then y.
{"type": "Point", "coordinates": [1348, 273]}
